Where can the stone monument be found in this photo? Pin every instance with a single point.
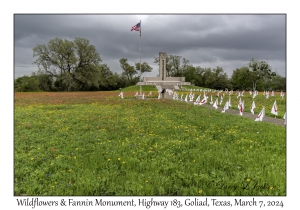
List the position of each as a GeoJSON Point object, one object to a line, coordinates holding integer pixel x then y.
{"type": "Point", "coordinates": [162, 81]}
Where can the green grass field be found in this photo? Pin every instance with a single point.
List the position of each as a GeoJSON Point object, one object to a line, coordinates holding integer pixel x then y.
{"type": "Point", "coordinates": [98, 144]}
{"type": "Point", "coordinates": [135, 88]}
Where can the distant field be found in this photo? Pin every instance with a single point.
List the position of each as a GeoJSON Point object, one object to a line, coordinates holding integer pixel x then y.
{"type": "Point", "coordinates": [95, 143]}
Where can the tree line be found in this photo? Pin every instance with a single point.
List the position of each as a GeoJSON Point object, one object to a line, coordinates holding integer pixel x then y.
{"type": "Point", "coordinates": [65, 65]}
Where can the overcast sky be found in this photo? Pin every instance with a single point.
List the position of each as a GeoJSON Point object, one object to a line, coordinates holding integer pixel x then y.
{"type": "Point", "coordinates": [228, 41]}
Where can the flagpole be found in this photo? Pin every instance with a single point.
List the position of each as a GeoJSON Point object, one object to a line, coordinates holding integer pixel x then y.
{"type": "Point", "coordinates": [140, 56]}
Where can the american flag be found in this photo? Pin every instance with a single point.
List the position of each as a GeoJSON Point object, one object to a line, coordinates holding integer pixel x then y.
{"type": "Point", "coordinates": [136, 27]}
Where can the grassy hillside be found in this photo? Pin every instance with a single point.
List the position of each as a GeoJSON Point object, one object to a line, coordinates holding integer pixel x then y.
{"type": "Point", "coordinates": [135, 88]}
{"type": "Point", "coordinates": [98, 144]}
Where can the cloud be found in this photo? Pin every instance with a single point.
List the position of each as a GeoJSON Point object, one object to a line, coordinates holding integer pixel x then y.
{"type": "Point", "coordinates": [229, 41]}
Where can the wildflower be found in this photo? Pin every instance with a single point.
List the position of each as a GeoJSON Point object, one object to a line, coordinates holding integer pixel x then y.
{"type": "Point", "coordinates": [123, 162]}
{"type": "Point", "coordinates": [194, 161]}
{"type": "Point", "coordinates": [119, 158]}
{"type": "Point", "coordinates": [248, 180]}
{"type": "Point", "coordinates": [74, 157]}
{"type": "Point", "coordinates": [200, 191]}
{"type": "Point", "coordinates": [77, 148]}
{"type": "Point", "coordinates": [146, 180]}
{"type": "Point", "coordinates": [271, 187]}
{"type": "Point", "coordinates": [108, 159]}
{"type": "Point", "coordinates": [31, 158]}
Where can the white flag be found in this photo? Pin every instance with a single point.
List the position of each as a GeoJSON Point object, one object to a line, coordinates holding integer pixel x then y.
{"type": "Point", "coordinates": [191, 96]}
{"type": "Point", "coordinates": [241, 108]}
{"type": "Point", "coordinates": [255, 93]}
{"type": "Point", "coordinates": [204, 100]}
{"type": "Point", "coordinates": [121, 95]}
{"type": "Point", "coordinates": [240, 102]}
{"type": "Point", "coordinates": [274, 109]}
{"type": "Point", "coordinates": [225, 107]}
{"type": "Point", "coordinates": [216, 104]}
{"type": "Point", "coordinates": [267, 94]}
{"type": "Point", "coordinates": [197, 100]}
{"type": "Point", "coordinates": [260, 115]}
{"type": "Point", "coordinates": [252, 107]}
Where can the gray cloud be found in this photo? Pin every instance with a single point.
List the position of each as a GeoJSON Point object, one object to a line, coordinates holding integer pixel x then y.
{"type": "Point", "coordinates": [229, 41]}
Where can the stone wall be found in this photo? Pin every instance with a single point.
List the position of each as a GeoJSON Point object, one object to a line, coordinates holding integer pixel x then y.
{"type": "Point", "coordinates": [179, 79]}
{"type": "Point", "coordinates": [163, 83]}
{"type": "Point", "coordinates": [145, 79]}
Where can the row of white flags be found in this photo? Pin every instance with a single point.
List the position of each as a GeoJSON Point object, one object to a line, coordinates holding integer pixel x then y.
{"type": "Point", "coordinates": [241, 106]}
{"type": "Point", "coordinates": [255, 93]}
{"type": "Point", "coordinates": [273, 111]}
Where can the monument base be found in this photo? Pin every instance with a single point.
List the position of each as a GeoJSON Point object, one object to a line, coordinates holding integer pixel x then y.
{"type": "Point", "coordinates": [163, 83]}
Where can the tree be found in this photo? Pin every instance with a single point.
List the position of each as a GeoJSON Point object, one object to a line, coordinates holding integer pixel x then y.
{"type": "Point", "coordinates": [208, 78]}
{"type": "Point", "coordinates": [173, 65]}
{"type": "Point", "coordinates": [174, 61]}
{"type": "Point", "coordinates": [221, 79]}
{"type": "Point", "coordinates": [129, 71]}
{"type": "Point", "coordinates": [199, 78]}
{"type": "Point", "coordinates": [26, 84]}
{"type": "Point", "coordinates": [193, 75]}
{"type": "Point", "coordinates": [145, 67]}
{"type": "Point", "coordinates": [259, 70]}
{"type": "Point", "coordinates": [45, 81]}
{"type": "Point", "coordinates": [240, 78]}
{"type": "Point", "coordinates": [278, 83]}
{"type": "Point", "coordinates": [73, 64]}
